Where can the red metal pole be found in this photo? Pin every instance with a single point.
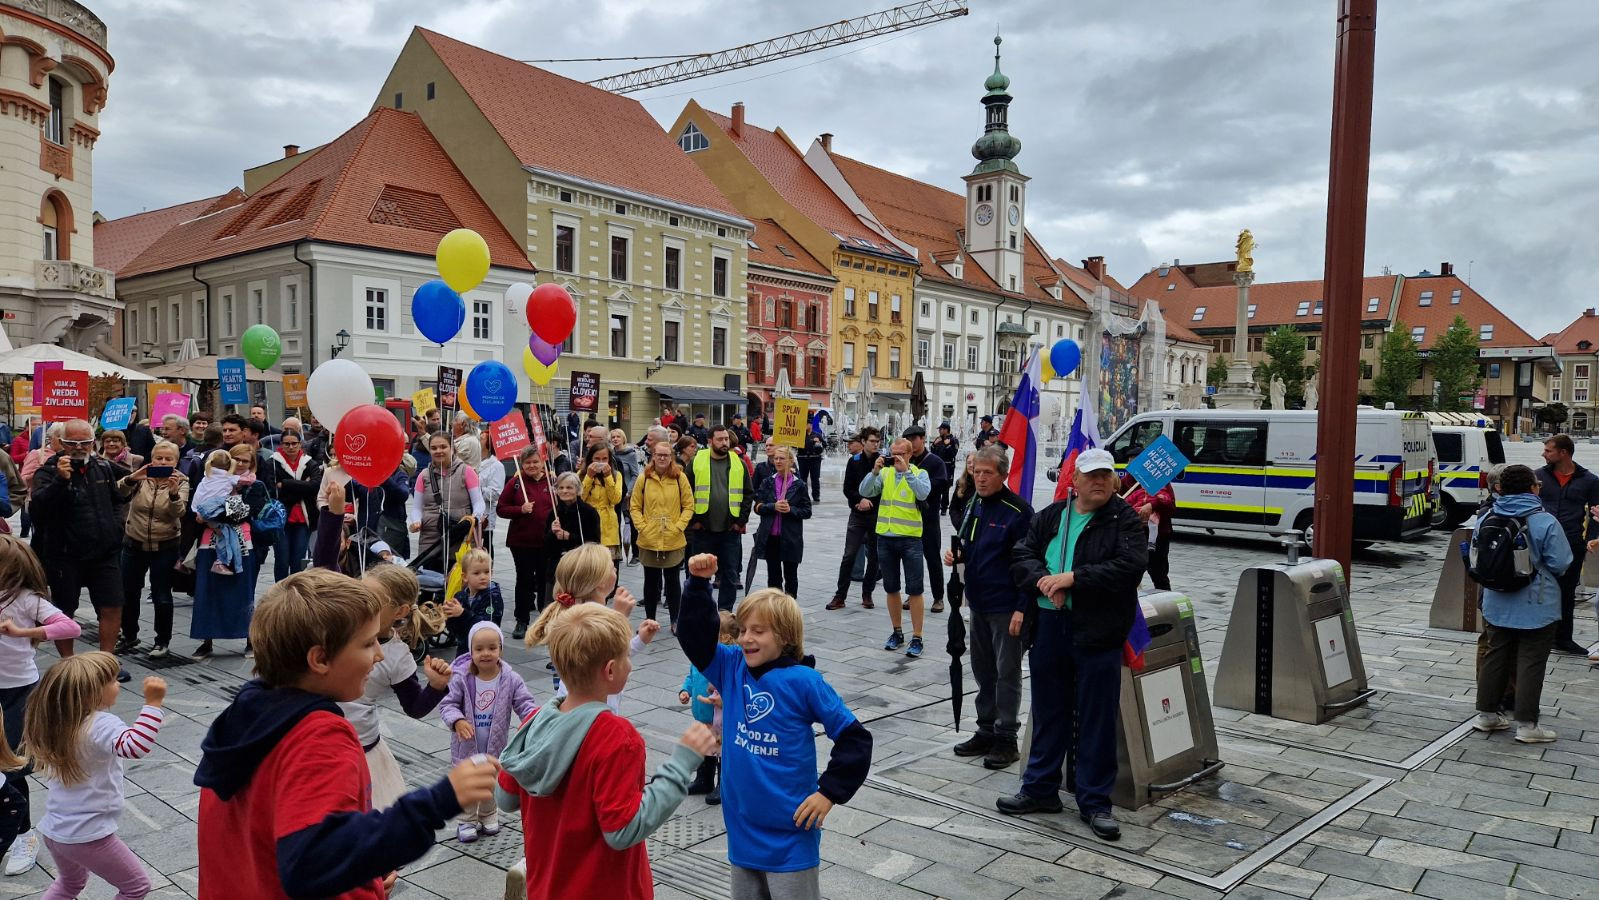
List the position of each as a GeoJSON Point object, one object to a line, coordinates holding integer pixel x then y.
{"type": "Point", "coordinates": [1345, 264]}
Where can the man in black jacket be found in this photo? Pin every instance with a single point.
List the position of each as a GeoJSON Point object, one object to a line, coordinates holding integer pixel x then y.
{"type": "Point", "coordinates": [75, 499]}
{"type": "Point", "coordinates": [947, 449]}
{"type": "Point", "coordinates": [1082, 560]}
{"type": "Point", "coordinates": [1568, 492]}
{"type": "Point", "coordinates": [810, 463]}
{"type": "Point", "coordinates": [862, 528]}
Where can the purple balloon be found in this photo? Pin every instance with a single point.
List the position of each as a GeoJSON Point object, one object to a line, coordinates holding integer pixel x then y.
{"type": "Point", "coordinates": [543, 351]}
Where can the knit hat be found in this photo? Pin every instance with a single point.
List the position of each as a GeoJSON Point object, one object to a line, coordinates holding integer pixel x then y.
{"type": "Point", "coordinates": [481, 626]}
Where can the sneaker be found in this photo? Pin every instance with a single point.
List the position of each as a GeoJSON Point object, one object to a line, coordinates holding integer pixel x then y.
{"type": "Point", "coordinates": [938, 606]}
{"type": "Point", "coordinates": [159, 651]}
{"type": "Point", "coordinates": [24, 853]}
{"type": "Point", "coordinates": [249, 651]}
{"type": "Point", "coordinates": [489, 829]}
{"type": "Point", "coordinates": [976, 745]}
{"type": "Point", "coordinates": [1002, 755]}
{"type": "Point", "coordinates": [1104, 826]}
{"type": "Point", "coordinates": [123, 676]}
{"type": "Point", "coordinates": [633, 561]}
{"type": "Point", "coordinates": [1593, 655]}
{"type": "Point", "coordinates": [914, 651]}
{"type": "Point", "coordinates": [203, 651]}
{"type": "Point", "coordinates": [836, 603]}
{"type": "Point", "coordinates": [1533, 733]}
{"type": "Point", "coordinates": [1022, 804]}
{"type": "Point", "coordinates": [1489, 721]}
{"type": "Point", "coordinates": [466, 832]}
{"type": "Point", "coordinates": [127, 644]}
{"type": "Point", "coordinates": [895, 640]}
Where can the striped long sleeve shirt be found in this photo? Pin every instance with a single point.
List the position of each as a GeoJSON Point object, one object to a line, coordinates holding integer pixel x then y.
{"type": "Point", "coordinates": [87, 810]}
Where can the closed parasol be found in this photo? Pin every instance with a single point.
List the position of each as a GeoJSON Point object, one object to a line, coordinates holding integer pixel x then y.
{"type": "Point", "coordinates": [918, 401]}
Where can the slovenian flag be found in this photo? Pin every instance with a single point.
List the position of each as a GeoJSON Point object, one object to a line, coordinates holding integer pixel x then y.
{"type": "Point", "coordinates": [1084, 436]}
{"type": "Point", "coordinates": [1019, 433]}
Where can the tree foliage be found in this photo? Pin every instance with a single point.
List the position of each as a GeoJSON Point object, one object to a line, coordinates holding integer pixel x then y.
{"type": "Point", "coordinates": [1455, 366]}
{"type": "Point", "coordinates": [1398, 366]}
{"type": "Point", "coordinates": [1216, 375]}
{"type": "Point", "coordinates": [1553, 414]}
{"type": "Point", "coordinates": [1285, 359]}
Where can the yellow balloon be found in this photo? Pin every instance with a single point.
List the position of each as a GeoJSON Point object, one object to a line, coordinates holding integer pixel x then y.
{"type": "Point", "coordinates": [460, 399]}
{"type": "Point", "coordinates": [539, 372]}
{"type": "Point", "coordinates": [463, 258]}
{"type": "Point", "coordinates": [1046, 370]}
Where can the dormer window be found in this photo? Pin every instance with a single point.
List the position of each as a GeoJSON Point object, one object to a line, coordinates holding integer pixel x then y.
{"type": "Point", "coordinates": [55, 127]}
{"type": "Point", "coordinates": [1199, 314]}
{"type": "Point", "coordinates": [1584, 345]}
{"type": "Point", "coordinates": [693, 140]}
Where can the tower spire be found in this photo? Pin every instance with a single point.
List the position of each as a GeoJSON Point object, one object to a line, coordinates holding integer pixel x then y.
{"type": "Point", "coordinates": [996, 149]}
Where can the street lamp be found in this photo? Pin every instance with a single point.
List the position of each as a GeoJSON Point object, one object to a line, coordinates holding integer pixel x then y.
{"type": "Point", "coordinates": [650, 368]}
{"type": "Point", "coordinates": [340, 341]}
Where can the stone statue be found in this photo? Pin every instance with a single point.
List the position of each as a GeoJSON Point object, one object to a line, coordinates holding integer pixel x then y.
{"type": "Point", "coordinates": [1311, 394]}
{"type": "Point", "coordinates": [1246, 251]}
{"type": "Point", "coordinates": [1277, 391]}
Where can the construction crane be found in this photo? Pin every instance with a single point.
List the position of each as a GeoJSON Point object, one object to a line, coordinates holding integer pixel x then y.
{"type": "Point", "coordinates": [900, 18]}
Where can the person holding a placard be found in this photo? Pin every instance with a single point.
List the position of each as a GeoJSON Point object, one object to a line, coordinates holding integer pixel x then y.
{"type": "Point", "coordinates": [76, 505]}
{"type": "Point", "coordinates": [1156, 512]}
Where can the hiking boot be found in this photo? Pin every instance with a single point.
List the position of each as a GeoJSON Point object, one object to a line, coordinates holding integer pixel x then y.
{"type": "Point", "coordinates": [1022, 804]}
{"type": "Point", "coordinates": [1104, 826]}
{"type": "Point", "coordinates": [836, 603]}
{"type": "Point", "coordinates": [895, 640]}
{"type": "Point", "coordinates": [976, 745]}
{"type": "Point", "coordinates": [1533, 733]}
{"type": "Point", "coordinates": [914, 651]}
{"type": "Point", "coordinates": [1002, 755]}
{"type": "Point", "coordinates": [1490, 721]}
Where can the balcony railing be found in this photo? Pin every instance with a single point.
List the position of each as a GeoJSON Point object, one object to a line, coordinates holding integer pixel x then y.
{"type": "Point", "coordinates": [66, 275]}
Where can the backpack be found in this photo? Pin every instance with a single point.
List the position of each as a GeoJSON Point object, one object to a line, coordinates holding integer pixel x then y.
{"type": "Point", "coordinates": [271, 519]}
{"type": "Point", "coordinates": [1500, 554]}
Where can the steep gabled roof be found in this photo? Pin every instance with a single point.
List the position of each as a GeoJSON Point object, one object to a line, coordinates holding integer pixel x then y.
{"type": "Point", "coordinates": [1440, 313]}
{"type": "Point", "coordinates": [1276, 303]}
{"type": "Point", "coordinates": [385, 184]}
{"type": "Point", "coordinates": [931, 219]}
{"type": "Point", "coordinates": [118, 242]}
{"type": "Point", "coordinates": [771, 246]}
{"type": "Point", "coordinates": [566, 126]}
{"type": "Point", "coordinates": [1568, 340]}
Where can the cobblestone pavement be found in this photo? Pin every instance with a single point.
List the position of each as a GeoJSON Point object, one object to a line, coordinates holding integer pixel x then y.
{"type": "Point", "coordinates": [1391, 798]}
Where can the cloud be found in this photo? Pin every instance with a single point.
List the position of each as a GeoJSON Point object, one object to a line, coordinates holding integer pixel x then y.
{"type": "Point", "coordinates": [1151, 131]}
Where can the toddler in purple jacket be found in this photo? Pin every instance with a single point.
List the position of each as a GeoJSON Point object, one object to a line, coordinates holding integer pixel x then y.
{"type": "Point", "coordinates": [486, 698]}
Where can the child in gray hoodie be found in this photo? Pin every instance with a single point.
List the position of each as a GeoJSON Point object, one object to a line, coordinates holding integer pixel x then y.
{"type": "Point", "coordinates": [575, 769]}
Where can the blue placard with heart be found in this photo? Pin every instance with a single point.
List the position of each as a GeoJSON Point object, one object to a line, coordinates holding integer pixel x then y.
{"type": "Point", "coordinates": [118, 413]}
{"type": "Point", "coordinates": [230, 373]}
{"type": "Point", "coordinates": [1160, 462]}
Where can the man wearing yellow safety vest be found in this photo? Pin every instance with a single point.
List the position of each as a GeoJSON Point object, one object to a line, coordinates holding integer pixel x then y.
{"type": "Point", "coordinates": [723, 496]}
{"type": "Point", "coordinates": [898, 486]}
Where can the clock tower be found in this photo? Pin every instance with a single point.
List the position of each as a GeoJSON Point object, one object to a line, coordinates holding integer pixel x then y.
{"type": "Point", "coordinates": [996, 191]}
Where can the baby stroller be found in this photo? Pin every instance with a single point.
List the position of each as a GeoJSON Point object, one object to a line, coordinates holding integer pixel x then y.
{"type": "Point", "coordinates": [434, 568]}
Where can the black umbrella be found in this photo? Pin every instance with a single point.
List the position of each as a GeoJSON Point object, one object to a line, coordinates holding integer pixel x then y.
{"type": "Point", "coordinates": [918, 400]}
{"type": "Point", "coordinates": [956, 590]}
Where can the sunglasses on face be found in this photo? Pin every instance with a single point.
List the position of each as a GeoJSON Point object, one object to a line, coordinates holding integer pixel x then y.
{"type": "Point", "coordinates": [87, 443]}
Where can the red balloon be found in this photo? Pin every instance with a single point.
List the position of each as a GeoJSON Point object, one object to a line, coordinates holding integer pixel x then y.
{"type": "Point", "coordinates": [551, 313]}
{"type": "Point", "coordinates": [369, 444]}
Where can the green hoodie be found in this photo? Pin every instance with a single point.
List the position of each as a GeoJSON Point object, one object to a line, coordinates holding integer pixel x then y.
{"type": "Point", "coordinates": [542, 751]}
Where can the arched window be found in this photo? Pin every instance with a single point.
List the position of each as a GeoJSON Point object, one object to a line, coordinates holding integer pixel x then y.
{"type": "Point", "coordinates": [55, 220]}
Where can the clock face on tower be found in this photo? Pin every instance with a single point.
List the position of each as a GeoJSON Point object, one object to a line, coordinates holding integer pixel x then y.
{"type": "Point", "coordinates": [985, 214]}
{"type": "Point", "coordinates": [1015, 215]}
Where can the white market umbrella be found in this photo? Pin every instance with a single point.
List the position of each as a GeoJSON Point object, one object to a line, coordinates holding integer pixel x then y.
{"type": "Point", "coordinates": [783, 389]}
{"type": "Point", "coordinates": [188, 350]}
{"type": "Point", "coordinates": [20, 362]}
{"type": "Point", "coordinates": [863, 398]}
{"type": "Point", "coordinates": [204, 368]}
{"type": "Point", "coordinates": [836, 400]}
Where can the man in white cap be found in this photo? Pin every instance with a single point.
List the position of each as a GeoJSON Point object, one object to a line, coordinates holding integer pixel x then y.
{"type": "Point", "coordinates": [1082, 560]}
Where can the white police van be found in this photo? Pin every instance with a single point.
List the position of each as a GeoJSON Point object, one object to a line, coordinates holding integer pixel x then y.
{"type": "Point", "coordinates": [1255, 470]}
{"type": "Point", "coordinates": [1468, 446]}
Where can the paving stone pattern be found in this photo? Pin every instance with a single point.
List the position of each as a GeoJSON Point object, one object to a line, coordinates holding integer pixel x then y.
{"type": "Point", "coordinates": [1483, 817]}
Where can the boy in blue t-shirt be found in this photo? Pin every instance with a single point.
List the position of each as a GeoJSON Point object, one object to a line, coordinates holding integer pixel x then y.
{"type": "Point", "coordinates": [774, 803]}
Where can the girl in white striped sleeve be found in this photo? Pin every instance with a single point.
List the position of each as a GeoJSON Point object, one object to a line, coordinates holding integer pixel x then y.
{"type": "Point", "coordinates": [79, 746]}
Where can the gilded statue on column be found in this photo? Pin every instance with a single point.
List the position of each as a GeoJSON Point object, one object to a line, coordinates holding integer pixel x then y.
{"type": "Point", "coordinates": [1246, 251]}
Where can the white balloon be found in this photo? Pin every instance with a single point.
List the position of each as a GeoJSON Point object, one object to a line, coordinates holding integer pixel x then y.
{"type": "Point", "coordinates": [516, 297]}
{"type": "Point", "coordinates": [336, 387]}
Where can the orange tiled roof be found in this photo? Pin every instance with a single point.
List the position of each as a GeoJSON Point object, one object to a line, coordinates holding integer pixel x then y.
{"type": "Point", "coordinates": [772, 246]}
{"type": "Point", "coordinates": [1584, 328]}
{"type": "Point", "coordinates": [1276, 303]}
{"type": "Point", "coordinates": [1153, 283]}
{"type": "Point", "coordinates": [931, 220]}
{"type": "Point", "coordinates": [1438, 316]}
{"type": "Point", "coordinates": [566, 126]}
{"type": "Point", "coordinates": [118, 242]}
{"type": "Point", "coordinates": [1085, 279]}
{"type": "Point", "coordinates": [384, 184]}
{"type": "Point", "coordinates": [784, 167]}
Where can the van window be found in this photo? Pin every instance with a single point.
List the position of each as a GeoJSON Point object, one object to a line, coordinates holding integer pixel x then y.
{"type": "Point", "coordinates": [1132, 442]}
{"type": "Point", "coordinates": [1496, 447]}
{"type": "Point", "coordinates": [1215, 443]}
{"type": "Point", "coordinates": [1450, 446]}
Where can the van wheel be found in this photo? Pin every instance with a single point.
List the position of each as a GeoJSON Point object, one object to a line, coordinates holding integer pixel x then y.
{"type": "Point", "coordinates": [1442, 513]}
{"type": "Point", "coordinates": [1306, 527]}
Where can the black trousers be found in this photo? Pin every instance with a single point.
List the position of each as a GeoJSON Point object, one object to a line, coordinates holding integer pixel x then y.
{"type": "Point", "coordinates": [810, 472]}
{"type": "Point", "coordinates": [14, 701]}
{"type": "Point", "coordinates": [1160, 563]}
{"type": "Point", "coordinates": [157, 564]}
{"type": "Point", "coordinates": [1568, 594]}
{"type": "Point", "coordinates": [531, 582]}
{"type": "Point", "coordinates": [655, 581]}
{"type": "Point", "coordinates": [861, 532]}
{"type": "Point", "coordinates": [781, 573]}
{"type": "Point", "coordinates": [1524, 651]}
{"type": "Point", "coordinates": [933, 554]}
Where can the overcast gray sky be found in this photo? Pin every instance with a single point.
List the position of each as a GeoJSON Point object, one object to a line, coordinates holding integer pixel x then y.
{"type": "Point", "coordinates": [1152, 130]}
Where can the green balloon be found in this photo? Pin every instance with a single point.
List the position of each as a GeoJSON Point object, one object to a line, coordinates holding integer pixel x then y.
{"type": "Point", "coordinates": [261, 346]}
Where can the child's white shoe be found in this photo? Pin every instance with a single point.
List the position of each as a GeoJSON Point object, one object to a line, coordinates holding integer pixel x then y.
{"type": "Point", "coordinates": [466, 832]}
{"type": "Point", "coordinates": [24, 853]}
{"type": "Point", "coordinates": [489, 829]}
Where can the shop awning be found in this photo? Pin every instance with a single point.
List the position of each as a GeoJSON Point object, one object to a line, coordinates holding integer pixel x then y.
{"type": "Point", "coordinates": [698, 394]}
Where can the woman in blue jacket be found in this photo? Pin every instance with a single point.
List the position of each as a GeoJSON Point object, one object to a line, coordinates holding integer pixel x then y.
{"type": "Point", "coordinates": [1520, 625]}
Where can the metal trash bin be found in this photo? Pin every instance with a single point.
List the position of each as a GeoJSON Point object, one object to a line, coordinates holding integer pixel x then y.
{"type": "Point", "coordinates": [1165, 736]}
{"type": "Point", "coordinates": [1457, 601]}
{"type": "Point", "coordinates": [1284, 616]}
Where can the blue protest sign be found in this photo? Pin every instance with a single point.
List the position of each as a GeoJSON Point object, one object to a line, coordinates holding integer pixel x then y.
{"type": "Point", "coordinates": [1160, 462]}
{"type": "Point", "coordinates": [118, 413]}
{"type": "Point", "coordinates": [230, 372]}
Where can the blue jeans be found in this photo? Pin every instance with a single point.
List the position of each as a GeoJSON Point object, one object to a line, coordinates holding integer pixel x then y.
{"type": "Point", "coordinates": [729, 549]}
{"type": "Point", "coordinates": [892, 552]}
{"type": "Point", "coordinates": [1072, 686]}
{"type": "Point", "coordinates": [288, 552]}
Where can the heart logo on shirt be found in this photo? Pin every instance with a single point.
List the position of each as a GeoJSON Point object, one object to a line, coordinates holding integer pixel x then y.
{"type": "Point", "coordinates": [757, 706]}
{"type": "Point", "coordinates": [355, 443]}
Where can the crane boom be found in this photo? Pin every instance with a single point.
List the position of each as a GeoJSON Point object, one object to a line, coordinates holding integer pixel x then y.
{"type": "Point", "coordinates": [887, 21]}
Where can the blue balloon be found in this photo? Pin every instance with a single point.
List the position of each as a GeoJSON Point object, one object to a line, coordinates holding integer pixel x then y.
{"type": "Point", "coordinates": [1065, 356]}
{"type": "Point", "coordinates": [438, 311]}
{"type": "Point", "coordinates": [491, 389]}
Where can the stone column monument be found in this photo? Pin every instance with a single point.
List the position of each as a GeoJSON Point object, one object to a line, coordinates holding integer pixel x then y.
{"type": "Point", "coordinates": [1240, 392]}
